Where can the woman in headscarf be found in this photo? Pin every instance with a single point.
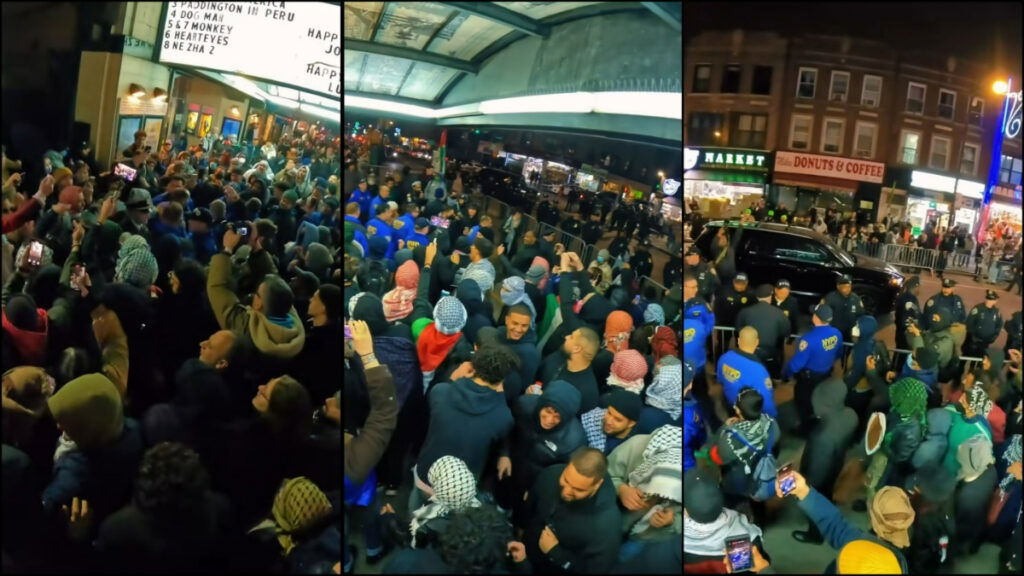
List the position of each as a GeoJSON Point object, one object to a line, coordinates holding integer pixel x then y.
{"type": "Point", "coordinates": [439, 338]}
{"type": "Point", "coordinates": [398, 302]}
{"type": "Point", "coordinates": [905, 428]}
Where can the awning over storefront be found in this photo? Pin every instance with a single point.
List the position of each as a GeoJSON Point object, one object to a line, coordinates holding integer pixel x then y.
{"type": "Point", "coordinates": [807, 181]}
{"type": "Point", "coordinates": [722, 176]}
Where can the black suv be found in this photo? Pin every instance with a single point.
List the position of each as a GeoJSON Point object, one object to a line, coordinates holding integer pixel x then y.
{"type": "Point", "coordinates": [809, 260]}
{"type": "Point", "coordinates": [509, 187]}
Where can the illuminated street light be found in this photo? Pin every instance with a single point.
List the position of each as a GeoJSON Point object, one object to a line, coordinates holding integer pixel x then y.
{"type": "Point", "coordinates": [1000, 87]}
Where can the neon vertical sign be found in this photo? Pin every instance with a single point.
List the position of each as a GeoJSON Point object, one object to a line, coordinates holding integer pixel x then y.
{"type": "Point", "coordinates": [1012, 128]}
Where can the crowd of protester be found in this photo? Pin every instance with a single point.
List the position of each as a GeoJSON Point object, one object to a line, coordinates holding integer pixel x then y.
{"type": "Point", "coordinates": [530, 402]}
{"type": "Point", "coordinates": [171, 384]}
{"type": "Point", "coordinates": [937, 439]}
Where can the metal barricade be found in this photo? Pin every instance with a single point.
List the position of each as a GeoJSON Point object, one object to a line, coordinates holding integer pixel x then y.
{"type": "Point", "coordinates": [907, 256]}
{"type": "Point", "coordinates": [647, 281]}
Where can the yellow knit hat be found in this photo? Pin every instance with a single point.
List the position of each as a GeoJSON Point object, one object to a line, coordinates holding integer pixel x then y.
{"type": "Point", "coordinates": [867, 557]}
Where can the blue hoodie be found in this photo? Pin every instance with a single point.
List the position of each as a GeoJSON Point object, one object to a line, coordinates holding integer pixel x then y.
{"type": "Point", "coordinates": [694, 434]}
{"type": "Point", "coordinates": [864, 347]}
{"type": "Point", "coordinates": [930, 377]}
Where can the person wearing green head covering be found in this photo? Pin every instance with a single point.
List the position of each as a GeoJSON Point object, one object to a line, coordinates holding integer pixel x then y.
{"type": "Point", "coordinates": [356, 243]}
{"type": "Point", "coordinates": [905, 429]}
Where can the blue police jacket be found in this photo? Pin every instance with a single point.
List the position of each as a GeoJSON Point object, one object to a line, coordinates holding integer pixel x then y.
{"type": "Point", "coordinates": [737, 369]}
{"type": "Point", "coordinates": [416, 239]}
{"type": "Point", "coordinates": [697, 308]}
{"type": "Point", "coordinates": [378, 227]}
{"type": "Point", "coordinates": [693, 429]}
{"type": "Point", "coordinates": [694, 342]}
{"type": "Point", "coordinates": [816, 351]}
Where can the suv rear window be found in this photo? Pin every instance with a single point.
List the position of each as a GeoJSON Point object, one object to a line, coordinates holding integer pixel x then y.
{"type": "Point", "coordinates": [784, 246]}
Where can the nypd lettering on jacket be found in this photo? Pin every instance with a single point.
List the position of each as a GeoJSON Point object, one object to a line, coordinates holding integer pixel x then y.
{"type": "Point", "coordinates": [694, 341]}
{"type": "Point", "coordinates": [816, 351]}
{"type": "Point", "coordinates": [736, 370]}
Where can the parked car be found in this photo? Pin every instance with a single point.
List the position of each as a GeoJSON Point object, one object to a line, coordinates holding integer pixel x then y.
{"type": "Point", "coordinates": [809, 260]}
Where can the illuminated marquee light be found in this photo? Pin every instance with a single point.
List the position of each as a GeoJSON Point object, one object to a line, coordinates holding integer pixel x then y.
{"type": "Point", "coordinates": [1012, 129]}
{"type": "Point", "coordinates": [690, 158]}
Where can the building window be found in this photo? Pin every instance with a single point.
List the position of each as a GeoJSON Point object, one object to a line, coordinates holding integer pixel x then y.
{"type": "Point", "coordinates": [731, 79]}
{"type": "Point", "coordinates": [832, 135]}
{"type": "Point", "coordinates": [762, 81]}
{"type": "Point", "coordinates": [976, 112]}
{"type": "Point", "coordinates": [840, 87]}
{"type": "Point", "coordinates": [947, 104]}
{"type": "Point", "coordinates": [808, 79]}
{"type": "Point", "coordinates": [705, 129]}
{"type": "Point", "coordinates": [748, 130]}
{"type": "Point", "coordinates": [969, 160]}
{"type": "Point", "coordinates": [915, 98]}
{"type": "Point", "coordinates": [702, 78]}
{"type": "Point", "coordinates": [871, 93]}
{"type": "Point", "coordinates": [800, 132]}
{"type": "Point", "coordinates": [910, 142]}
{"type": "Point", "coordinates": [864, 140]}
{"type": "Point", "coordinates": [1009, 170]}
{"type": "Point", "coordinates": [939, 158]}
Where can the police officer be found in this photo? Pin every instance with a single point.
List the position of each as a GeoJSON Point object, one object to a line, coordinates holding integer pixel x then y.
{"type": "Point", "coordinates": [592, 230]}
{"type": "Point", "coordinates": [705, 274]}
{"type": "Point", "coordinates": [788, 305]}
{"type": "Point", "coordinates": [846, 306]}
{"type": "Point", "coordinates": [694, 306]}
{"type": "Point", "coordinates": [728, 303]}
{"type": "Point", "coordinates": [945, 299]}
{"type": "Point", "coordinates": [983, 325]}
{"type": "Point", "coordinates": [772, 328]}
{"type": "Point", "coordinates": [695, 354]}
{"type": "Point", "coordinates": [743, 367]}
{"type": "Point", "coordinates": [908, 311]}
{"type": "Point", "coordinates": [816, 353]}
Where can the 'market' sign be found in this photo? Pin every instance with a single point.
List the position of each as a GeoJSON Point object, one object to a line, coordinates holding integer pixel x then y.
{"type": "Point", "coordinates": [725, 159]}
{"type": "Point", "coordinates": [293, 43]}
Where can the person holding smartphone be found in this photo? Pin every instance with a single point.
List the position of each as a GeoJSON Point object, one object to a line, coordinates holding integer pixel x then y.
{"type": "Point", "coordinates": [710, 529]}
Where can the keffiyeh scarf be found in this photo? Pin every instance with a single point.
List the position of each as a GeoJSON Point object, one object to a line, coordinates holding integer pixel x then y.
{"type": "Point", "coordinates": [593, 426]}
{"type": "Point", "coordinates": [454, 489]}
{"type": "Point", "coordinates": [666, 390]}
{"type": "Point", "coordinates": [1011, 455]}
{"type": "Point", "coordinates": [709, 539]}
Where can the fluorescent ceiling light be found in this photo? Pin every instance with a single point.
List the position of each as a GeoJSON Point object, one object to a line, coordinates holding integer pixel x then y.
{"type": "Point", "coordinates": [657, 104]}
{"type": "Point", "coordinates": [575, 103]}
{"type": "Point", "coordinates": [288, 92]}
{"type": "Point", "coordinates": [386, 106]}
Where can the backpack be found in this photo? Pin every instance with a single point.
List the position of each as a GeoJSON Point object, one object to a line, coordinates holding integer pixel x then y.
{"type": "Point", "coordinates": [760, 483]}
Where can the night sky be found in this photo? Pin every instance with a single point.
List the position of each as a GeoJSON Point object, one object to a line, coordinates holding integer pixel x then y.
{"type": "Point", "coordinates": [983, 31]}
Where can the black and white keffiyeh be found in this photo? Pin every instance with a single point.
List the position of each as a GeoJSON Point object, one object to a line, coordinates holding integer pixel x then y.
{"type": "Point", "coordinates": [666, 390]}
{"type": "Point", "coordinates": [661, 472]}
{"type": "Point", "coordinates": [1010, 455]}
{"type": "Point", "coordinates": [454, 489]}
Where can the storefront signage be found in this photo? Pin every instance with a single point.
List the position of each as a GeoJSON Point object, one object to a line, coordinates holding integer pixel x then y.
{"type": "Point", "coordinates": [138, 48]}
{"type": "Point", "coordinates": [293, 43]}
{"type": "Point", "coordinates": [1005, 192]}
{"type": "Point", "coordinates": [669, 187]}
{"type": "Point", "coordinates": [725, 159]}
{"type": "Point", "coordinates": [830, 167]}
{"type": "Point", "coordinates": [929, 181]}
{"type": "Point", "coordinates": [1012, 129]}
{"type": "Point", "coordinates": [970, 189]}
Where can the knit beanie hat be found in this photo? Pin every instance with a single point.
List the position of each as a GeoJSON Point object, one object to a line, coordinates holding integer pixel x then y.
{"type": "Point", "coordinates": [626, 403]}
{"type": "Point", "coordinates": [702, 497]}
{"type": "Point", "coordinates": [891, 515]}
{"type": "Point", "coordinates": [291, 195]}
{"type": "Point", "coordinates": [654, 313]}
{"type": "Point", "coordinates": [534, 274]}
{"type": "Point", "coordinates": [449, 315]}
{"type": "Point", "coordinates": [867, 557]}
{"type": "Point", "coordinates": [318, 258]}
{"type": "Point", "coordinates": [628, 371]}
{"type": "Point", "coordinates": [299, 504]}
{"type": "Point", "coordinates": [136, 264]}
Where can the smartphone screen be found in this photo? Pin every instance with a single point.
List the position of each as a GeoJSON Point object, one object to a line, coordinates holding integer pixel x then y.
{"type": "Point", "coordinates": [739, 553]}
{"type": "Point", "coordinates": [76, 278]}
{"type": "Point", "coordinates": [787, 481]}
{"type": "Point", "coordinates": [439, 222]}
{"type": "Point", "coordinates": [35, 253]}
{"type": "Point", "coordinates": [348, 333]}
{"type": "Point", "coordinates": [125, 171]}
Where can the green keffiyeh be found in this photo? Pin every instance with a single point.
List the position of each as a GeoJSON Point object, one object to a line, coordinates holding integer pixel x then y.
{"type": "Point", "coordinates": [909, 398]}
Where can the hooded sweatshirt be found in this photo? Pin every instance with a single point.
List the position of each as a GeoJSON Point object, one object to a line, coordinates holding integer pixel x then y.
{"type": "Point", "coordinates": [455, 408]}
{"type": "Point", "coordinates": [109, 446]}
{"type": "Point", "coordinates": [529, 357]}
{"type": "Point", "coordinates": [30, 344]}
{"type": "Point", "coordinates": [533, 448]}
{"type": "Point", "coordinates": [864, 347]}
{"type": "Point", "coordinates": [825, 452]}
{"type": "Point", "coordinates": [477, 315]}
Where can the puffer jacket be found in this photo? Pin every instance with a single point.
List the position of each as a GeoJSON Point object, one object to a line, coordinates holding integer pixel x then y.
{"type": "Point", "coordinates": [532, 448]}
{"type": "Point", "coordinates": [936, 439]}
